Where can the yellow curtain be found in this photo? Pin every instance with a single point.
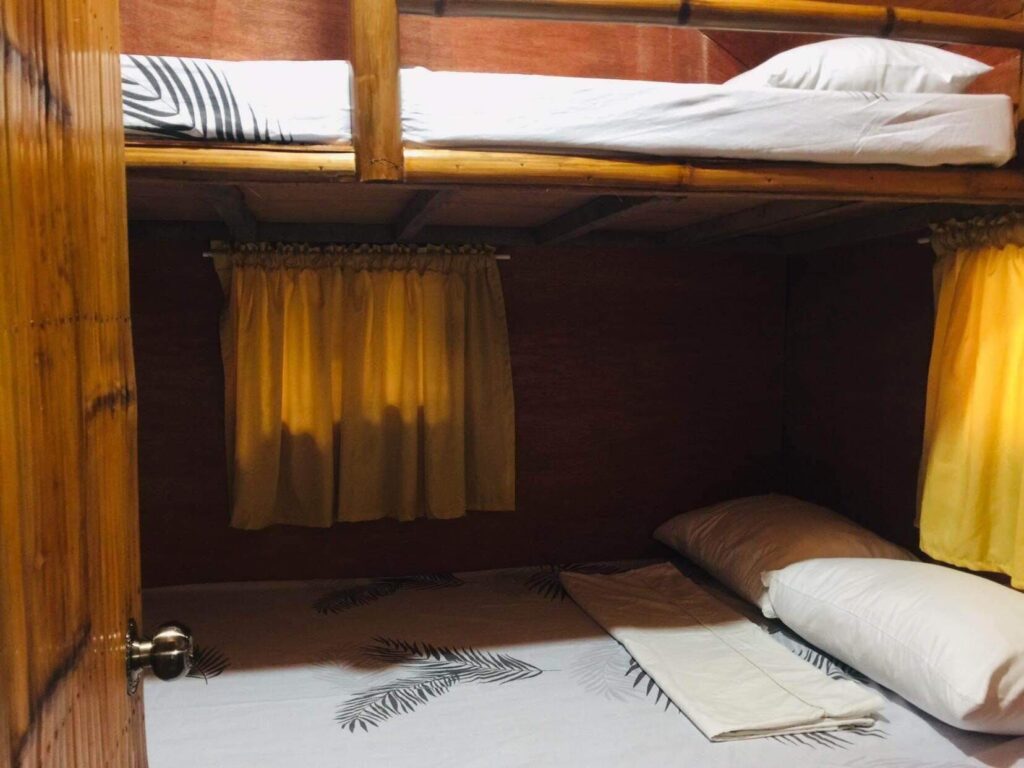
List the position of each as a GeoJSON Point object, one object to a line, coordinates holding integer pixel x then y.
{"type": "Point", "coordinates": [972, 479]}
{"type": "Point", "coordinates": [365, 382]}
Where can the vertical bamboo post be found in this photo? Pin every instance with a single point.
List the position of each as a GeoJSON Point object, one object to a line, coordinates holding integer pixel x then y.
{"type": "Point", "coordinates": [1019, 112]}
{"type": "Point", "coordinates": [376, 101]}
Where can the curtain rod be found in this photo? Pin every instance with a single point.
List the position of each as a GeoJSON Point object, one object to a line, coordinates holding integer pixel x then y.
{"type": "Point", "coordinates": [497, 256]}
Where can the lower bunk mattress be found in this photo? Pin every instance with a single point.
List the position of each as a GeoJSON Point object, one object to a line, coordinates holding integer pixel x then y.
{"type": "Point", "coordinates": [496, 668]}
{"type": "Point", "coordinates": [286, 102]}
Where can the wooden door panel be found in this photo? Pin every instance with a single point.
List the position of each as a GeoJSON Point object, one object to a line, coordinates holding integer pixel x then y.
{"type": "Point", "coordinates": [69, 575]}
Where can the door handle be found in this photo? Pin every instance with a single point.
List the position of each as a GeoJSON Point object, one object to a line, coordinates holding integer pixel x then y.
{"type": "Point", "coordinates": [169, 654]}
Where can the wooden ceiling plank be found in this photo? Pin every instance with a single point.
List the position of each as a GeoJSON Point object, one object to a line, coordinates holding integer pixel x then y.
{"type": "Point", "coordinates": [749, 220]}
{"type": "Point", "coordinates": [591, 215]}
{"type": "Point", "coordinates": [903, 221]}
{"type": "Point", "coordinates": [229, 202]}
{"type": "Point", "coordinates": [417, 212]}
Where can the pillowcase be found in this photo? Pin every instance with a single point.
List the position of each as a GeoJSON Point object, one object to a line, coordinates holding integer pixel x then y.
{"type": "Point", "coordinates": [737, 541]}
{"type": "Point", "coordinates": [949, 642]}
{"type": "Point", "coordinates": [865, 64]}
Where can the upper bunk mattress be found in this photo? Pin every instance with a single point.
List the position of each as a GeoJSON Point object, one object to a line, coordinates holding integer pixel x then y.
{"type": "Point", "coordinates": [310, 102]}
{"type": "Point", "coordinates": [531, 112]}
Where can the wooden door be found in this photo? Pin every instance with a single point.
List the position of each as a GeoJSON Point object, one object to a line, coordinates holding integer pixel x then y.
{"type": "Point", "coordinates": [69, 576]}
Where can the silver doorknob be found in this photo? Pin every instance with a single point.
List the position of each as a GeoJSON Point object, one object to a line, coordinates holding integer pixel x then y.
{"type": "Point", "coordinates": [168, 654]}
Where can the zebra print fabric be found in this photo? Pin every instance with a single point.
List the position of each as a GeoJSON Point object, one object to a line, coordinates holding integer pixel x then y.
{"type": "Point", "coordinates": [278, 102]}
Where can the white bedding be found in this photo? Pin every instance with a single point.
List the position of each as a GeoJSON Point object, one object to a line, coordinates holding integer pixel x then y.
{"type": "Point", "coordinates": [486, 670]}
{"type": "Point", "coordinates": [718, 667]}
{"type": "Point", "coordinates": [309, 102]}
{"type": "Point", "coordinates": [530, 112]}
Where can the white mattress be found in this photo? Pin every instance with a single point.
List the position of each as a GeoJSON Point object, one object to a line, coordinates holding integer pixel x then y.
{"type": "Point", "coordinates": [482, 670]}
{"type": "Point", "coordinates": [310, 102]}
{"type": "Point", "coordinates": [531, 112]}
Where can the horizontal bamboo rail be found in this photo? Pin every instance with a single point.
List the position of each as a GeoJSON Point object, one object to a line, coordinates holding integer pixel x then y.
{"type": "Point", "coordinates": [980, 186]}
{"type": "Point", "coordinates": [229, 164]}
{"type": "Point", "coordinates": [452, 169]}
{"type": "Point", "coordinates": [811, 16]}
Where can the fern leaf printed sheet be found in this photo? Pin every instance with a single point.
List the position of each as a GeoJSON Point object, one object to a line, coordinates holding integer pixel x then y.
{"type": "Point", "coordinates": [498, 669]}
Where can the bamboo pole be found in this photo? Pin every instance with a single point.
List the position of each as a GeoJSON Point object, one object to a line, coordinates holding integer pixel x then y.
{"type": "Point", "coordinates": [811, 16]}
{"type": "Point", "coordinates": [981, 186]}
{"type": "Point", "coordinates": [453, 169]}
{"type": "Point", "coordinates": [239, 163]}
{"type": "Point", "coordinates": [376, 101]}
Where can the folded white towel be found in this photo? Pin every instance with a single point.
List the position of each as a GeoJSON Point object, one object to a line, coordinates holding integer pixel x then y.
{"type": "Point", "coordinates": [729, 677]}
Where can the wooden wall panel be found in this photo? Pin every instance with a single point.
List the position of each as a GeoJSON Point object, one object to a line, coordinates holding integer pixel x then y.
{"type": "Point", "coordinates": [318, 29]}
{"type": "Point", "coordinates": [237, 29]}
{"type": "Point", "coordinates": [646, 384]}
{"type": "Point", "coordinates": [857, 345]}
{"type": "Point", "coordinates": [68, 498]}
{"type": "Point", "coordinates": [575, 50]}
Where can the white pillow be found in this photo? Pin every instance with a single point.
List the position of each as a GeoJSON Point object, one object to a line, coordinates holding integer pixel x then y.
{"type": "Point", "coordinates": [737, 541]}
{"type": "Point", "coordinates": [950, 642]}
{"type": "Point", "coordinates": [865, 64]}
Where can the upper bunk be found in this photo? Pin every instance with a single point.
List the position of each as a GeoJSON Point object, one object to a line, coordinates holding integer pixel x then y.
{"type": "Point", "coordinates": [456, 156]}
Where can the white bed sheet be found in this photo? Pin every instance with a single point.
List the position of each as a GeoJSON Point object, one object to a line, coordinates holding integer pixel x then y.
{"type": "Point", "coordinates": [501, 669]}
{"type": "Point", "coordinates": [534, 112]}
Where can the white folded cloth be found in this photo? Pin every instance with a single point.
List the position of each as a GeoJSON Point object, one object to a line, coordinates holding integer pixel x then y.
{"type": "Point", "coordinates": [724, 672]}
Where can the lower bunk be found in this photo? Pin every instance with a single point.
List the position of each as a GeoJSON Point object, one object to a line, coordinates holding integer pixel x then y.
{"type": "Point", "coordinates": [496, 668]}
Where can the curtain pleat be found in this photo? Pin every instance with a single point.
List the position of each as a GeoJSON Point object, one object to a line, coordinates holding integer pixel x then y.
{"type": "Point", "coordinates": [364, 383]}
{"type": "Point", "coordinates": [972, 479]}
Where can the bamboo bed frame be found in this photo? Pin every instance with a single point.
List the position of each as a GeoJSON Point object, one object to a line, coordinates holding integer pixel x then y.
{"type": "Point", "coordinates": [378, 156]}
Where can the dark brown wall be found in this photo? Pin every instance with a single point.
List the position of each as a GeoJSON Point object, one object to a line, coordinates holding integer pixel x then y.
{"type": "Point", "coordinates": [858, 339]}
{"type": "Point", "coordinates": [646, 384]}
{"type": "Point", "coordinates": [318, 29]}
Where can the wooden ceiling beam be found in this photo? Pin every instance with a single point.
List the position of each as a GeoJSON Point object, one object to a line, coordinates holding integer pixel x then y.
{"type": "Point", "coordinates": [592, 215]}
{"type": "Point", "coordinates": [417, 212]}
{"type": "Point", "coordinates": [229, 202]}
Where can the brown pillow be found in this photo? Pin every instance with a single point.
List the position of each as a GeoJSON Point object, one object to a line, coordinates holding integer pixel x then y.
{"type": "Point", "coordinates": [739, 540]}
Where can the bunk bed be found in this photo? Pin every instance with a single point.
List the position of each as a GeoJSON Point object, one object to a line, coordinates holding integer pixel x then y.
{"type": "Point", "coordinates": [377, 171]}
{"type": "Point", "coordinates": [376, 184]}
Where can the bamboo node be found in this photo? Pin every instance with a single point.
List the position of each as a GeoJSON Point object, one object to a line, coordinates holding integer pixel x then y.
{"type": "Point", "coordinates": [685, 10]}
{"type": "Point", "coordinates": [890, 22]}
